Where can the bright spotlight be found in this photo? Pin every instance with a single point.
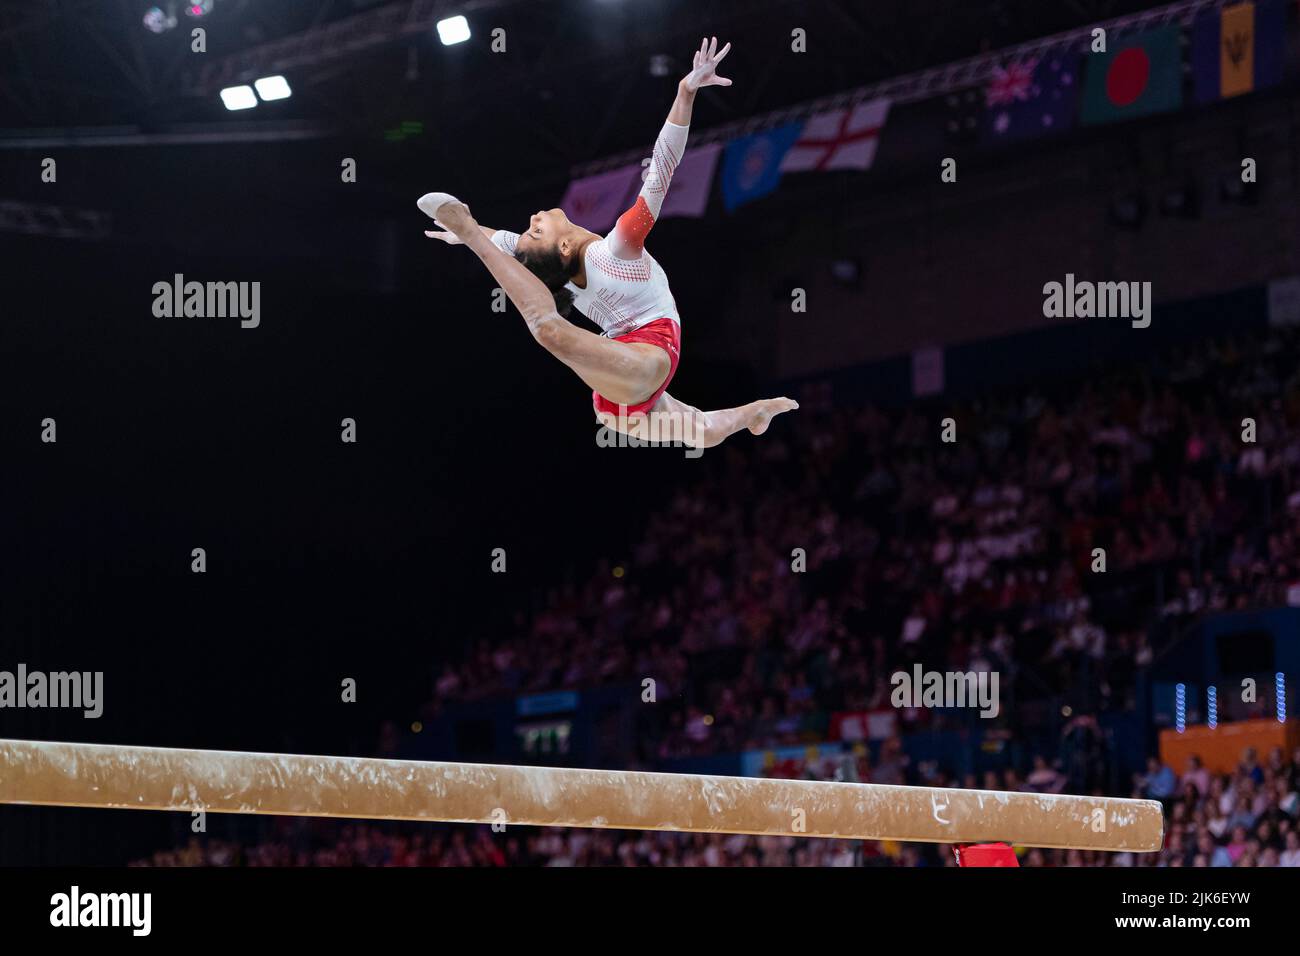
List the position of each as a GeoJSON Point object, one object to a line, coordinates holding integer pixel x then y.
{"type": "Point", "coordinates": [453, 30]}
{"type": "Point", "coordinates": [239, 97]}
{"type": "Point", "coordinates": [198, 8]}
{"type": "Point", "coordinates": [273, 88]}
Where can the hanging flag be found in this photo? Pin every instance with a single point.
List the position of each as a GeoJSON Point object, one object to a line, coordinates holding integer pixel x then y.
{"type": "Point", "coordinates": [1139, 76]}
{"type": "Point", "coordinates": [1238, 49]}
{"type": "Point", "coordinates": [1010, 84]}
{"type": "Point", "coordinates": [688, 193]}
{"type": "Point", "coordinates": [1032, 98]}
{"type": "Point", "coordinates": [840, 139]}
{"type": "Point", "coordinates": [595, 202]}
{"type": "Point", "coordinates": [751, 165]}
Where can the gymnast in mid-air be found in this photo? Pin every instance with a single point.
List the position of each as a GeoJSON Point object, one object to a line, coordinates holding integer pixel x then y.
{"type": "Point", "coordinates": [556, 265]}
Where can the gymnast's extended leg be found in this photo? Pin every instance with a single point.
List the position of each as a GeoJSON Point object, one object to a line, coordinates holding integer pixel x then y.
{"type": "Point", "coordinates": [625, 373]}
{"type": "Point", "coordinates": [671, 420]}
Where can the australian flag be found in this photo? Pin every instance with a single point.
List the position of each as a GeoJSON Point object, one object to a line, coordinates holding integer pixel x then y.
{"type": "Point", "coordinates": [1035, 97]}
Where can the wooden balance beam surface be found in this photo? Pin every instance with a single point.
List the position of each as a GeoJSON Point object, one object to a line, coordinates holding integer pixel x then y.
{"type": "Point", "coordinates": [155, 778]}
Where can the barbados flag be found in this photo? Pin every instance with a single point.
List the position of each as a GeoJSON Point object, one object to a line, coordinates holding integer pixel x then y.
{"type": "Point", "coordinates": [1238, 49]}
{"type": "Point", "coordinates": [1138, 76]}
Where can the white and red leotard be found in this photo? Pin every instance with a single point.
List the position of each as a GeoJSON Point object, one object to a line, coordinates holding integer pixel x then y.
{"type": "Point", "coordinates": [627, 292]}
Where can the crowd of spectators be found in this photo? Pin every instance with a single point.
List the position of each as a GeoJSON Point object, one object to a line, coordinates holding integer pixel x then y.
{"type": "Point", "coordinates": [1250, 817]}
{"type": "Point", "coordinates": [973, 555]}
{"type": "Point", "coordinates": [1058, 541]}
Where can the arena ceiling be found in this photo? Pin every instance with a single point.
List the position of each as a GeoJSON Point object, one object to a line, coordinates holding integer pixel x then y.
{"type": "Point", "coordinates": [578, 75]}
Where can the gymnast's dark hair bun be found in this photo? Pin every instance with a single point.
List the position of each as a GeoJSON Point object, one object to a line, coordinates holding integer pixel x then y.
{"type": "Point", "coordinates": [563, 301]}
{"type": "Point", "coordinates": [549, 266]}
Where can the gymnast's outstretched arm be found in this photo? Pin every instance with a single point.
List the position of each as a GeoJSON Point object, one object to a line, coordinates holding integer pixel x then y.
{"type": "Point", "coordinates": [628, 238]}
{"type": "Point", "coordinates": [451, 239]}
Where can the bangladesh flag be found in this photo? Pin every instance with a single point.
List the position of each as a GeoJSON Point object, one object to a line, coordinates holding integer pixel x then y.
{"type": "Point", "coordinates": [1138, 76]}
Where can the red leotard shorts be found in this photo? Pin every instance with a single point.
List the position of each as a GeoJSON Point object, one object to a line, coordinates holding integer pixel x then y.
{"type": "Point", "coordinates": [664, 333]}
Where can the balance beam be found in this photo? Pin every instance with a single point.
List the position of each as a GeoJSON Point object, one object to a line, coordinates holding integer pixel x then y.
{"type": "Point", "coordinates": [155, 778]}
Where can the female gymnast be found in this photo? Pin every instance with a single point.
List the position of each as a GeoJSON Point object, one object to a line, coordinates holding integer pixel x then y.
{"type": "Point", "coordinates": [617, 284]}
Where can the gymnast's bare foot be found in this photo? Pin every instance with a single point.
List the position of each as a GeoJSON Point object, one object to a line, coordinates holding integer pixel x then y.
{"type": "Point", "coordinates": [768, 408]}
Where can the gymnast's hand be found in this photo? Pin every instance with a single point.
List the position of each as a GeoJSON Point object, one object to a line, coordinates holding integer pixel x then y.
{"type": "Point", "coordinates": [705, 65]}
{"type": "Point", "coordinates": [447, 236]}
